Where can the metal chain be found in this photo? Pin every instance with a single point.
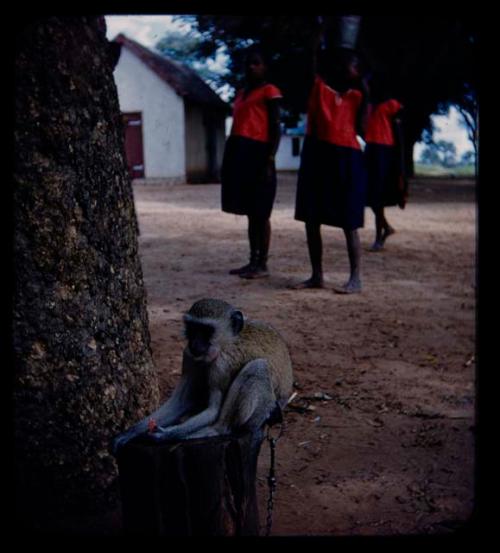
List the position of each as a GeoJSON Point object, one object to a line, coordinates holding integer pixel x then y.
{"type": "Point", "coordinates": [271, 479]}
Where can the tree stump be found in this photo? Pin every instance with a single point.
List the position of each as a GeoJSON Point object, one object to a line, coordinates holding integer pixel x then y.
{"type": "Point", "coordinates": [204, 487]}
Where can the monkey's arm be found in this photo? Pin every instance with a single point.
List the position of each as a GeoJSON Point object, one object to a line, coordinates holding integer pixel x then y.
{"type": "Point", "coordinates": [193, 424]}
{"type": "Point", "coordinates": [183, 400]}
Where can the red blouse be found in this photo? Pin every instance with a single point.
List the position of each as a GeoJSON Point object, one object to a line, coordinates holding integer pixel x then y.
{"type": "Point", "coordinates": [333, 115]}
{"type": "Point", "coordinates": [379, 124]}
{"type": "Point", "coordinates": [250, 115]}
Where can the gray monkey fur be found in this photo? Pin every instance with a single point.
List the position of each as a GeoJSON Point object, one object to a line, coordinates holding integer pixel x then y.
{"type": "Point", "coordinates": [235, 385]}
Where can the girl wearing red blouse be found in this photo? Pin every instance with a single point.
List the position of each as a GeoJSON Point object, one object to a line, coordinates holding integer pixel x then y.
{"type": "Point", "coordinates": [383, 152]}
{"type": "Point", "coordinates": [248, 174]}
{"type": "Point", "coordinates": [331, 188]}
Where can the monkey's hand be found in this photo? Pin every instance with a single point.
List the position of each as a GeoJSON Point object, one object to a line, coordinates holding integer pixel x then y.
{"type": "Point", "coordinates": [160, 435]}
{"type": "Point", "coordinates": [122, 439]}
{"type": "Point", "coordinates": [152, 426]}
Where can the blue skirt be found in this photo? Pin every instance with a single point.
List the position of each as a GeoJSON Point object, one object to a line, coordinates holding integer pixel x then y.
{"type": "Point", "coordinates": [385, 186]}
{"type": "Point", "coordinates": [247, 188]}
{"type": "Point", "coordinates": [331, 187]}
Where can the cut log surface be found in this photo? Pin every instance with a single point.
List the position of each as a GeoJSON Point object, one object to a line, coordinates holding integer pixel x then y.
{"type": "Point", "coordinates": [203, 487]}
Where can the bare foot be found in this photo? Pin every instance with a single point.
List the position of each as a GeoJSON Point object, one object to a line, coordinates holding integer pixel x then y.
{"type": "Point", "coordinates": [255, 272]}
{"type": "Point", "coordinates": [309, 283]}
{"type": "Point", "coordinates": [241, 270]}
{"type": "Point", "coordinates": [386, 233]}
{"type": "Point", "coordinates": [351, 287]}
{"type": "Point", "coordinates": [376, 247]}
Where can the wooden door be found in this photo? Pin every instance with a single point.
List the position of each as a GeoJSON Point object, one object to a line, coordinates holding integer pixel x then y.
{"type": "Point", "coordinates": [133, 144]}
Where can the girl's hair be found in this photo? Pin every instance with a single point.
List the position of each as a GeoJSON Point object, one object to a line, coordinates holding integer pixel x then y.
{"type": "Point", "coordinates": [381, 86]}
{"type": "Point", "coordinates": [341, 57]}
{"type": "Point", "coordinates": [259, 50]}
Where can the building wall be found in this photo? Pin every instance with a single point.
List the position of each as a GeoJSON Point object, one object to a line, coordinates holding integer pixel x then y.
{"type": "Point", "coordinates": [139, 89]}
{"type": "Point", "coordinates": [196, 142]}
{"type": "Point", "coordinates": [285, 160]}
{"type": "Point", "coordinates": [205, 137]}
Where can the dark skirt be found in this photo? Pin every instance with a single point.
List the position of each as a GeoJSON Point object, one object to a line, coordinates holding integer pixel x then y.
{"type": "Point", "coordinates": [247, 188]}
{"type": "Point", "coordinates": [331, 187]}
{"type": "Point", "coordinates": [384, 176]}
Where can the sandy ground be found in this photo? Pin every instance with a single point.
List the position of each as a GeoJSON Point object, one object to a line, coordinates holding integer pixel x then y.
{"type": "Point", "coordinates": [390, 448]}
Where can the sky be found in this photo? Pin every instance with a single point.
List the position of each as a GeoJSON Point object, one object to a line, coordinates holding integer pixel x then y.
{"type": "Point", "coordinates": [148, 29]}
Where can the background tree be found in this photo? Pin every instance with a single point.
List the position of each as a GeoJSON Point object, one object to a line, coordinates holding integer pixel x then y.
{"type": "Point", "coordinates": [448, 151]}
{"type": "Point", "coordinates": [468, 158]}
{"type": "Point", "coordinates": [189, 49]}
{"type": "Point", "coordinates": [469, 110]}
{"type": "Point", "coordinates": [430, 156]}
{"type": "Point", "coordinates": [290, 40]}
{"type": "Point", "coordinates": [81, 345]}
{"type": "Point", "coordinates": [441, 152]}
{"type": "Point", "coordinates": [432, 59]}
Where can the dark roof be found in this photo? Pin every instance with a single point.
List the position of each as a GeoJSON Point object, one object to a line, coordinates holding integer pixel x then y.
{"type": "Point", "coordinates": [182, 79]}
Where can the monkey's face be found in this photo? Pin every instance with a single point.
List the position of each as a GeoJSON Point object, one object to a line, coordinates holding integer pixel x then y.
{"type": "Point", "coordinates": [206, 335]}
{"type": "Point", "coordinates": [201, 342]}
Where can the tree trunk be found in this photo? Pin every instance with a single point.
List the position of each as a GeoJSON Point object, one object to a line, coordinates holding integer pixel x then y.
{"type": "Point", "coordinates": [409, 161]}
{"type": "Point", "coordinates": [192, 488]}
{"type": "Point", "coordinates": [409, 143]}
{"type": "Point", "coordinates": [81, 344]}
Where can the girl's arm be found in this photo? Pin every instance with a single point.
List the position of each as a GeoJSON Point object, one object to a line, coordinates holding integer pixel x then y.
{"type": "Point", "coordinates": [362, 115]}
{"type": "Point", "coordinates": [313, 70]}
{"type": "Point", "coordinates": [273, 113]}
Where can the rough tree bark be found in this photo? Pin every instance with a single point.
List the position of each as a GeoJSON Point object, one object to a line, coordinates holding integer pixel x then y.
{"type": "Point", "coordinates": [82, 361]}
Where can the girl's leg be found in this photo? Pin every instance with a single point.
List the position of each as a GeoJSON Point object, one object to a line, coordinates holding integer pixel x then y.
{"type": "Point", "coordinates": [382, 229]}
{"type": "Point", "coordinates": [353, 285]}
{"type": "Point", "coordinates": [379, 223]}
{"type": "Point", "coordinates": [387, 230]}
{"type": "Point", "coordinates": [315, 247]}
{"type": "Point", "coordinates": [253, 239]}
{"type": "Point", "coordinates": [262, 231]}
{"type": "Point", "coordinates": [265, 242]}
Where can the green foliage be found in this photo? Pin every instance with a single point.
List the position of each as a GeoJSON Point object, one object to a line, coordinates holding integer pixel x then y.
{"type": "Point", "coordinates": [190, 49]}
{"type": "Point", "coordinates": [439, 159]}
{"type": "Point", "coordinates": [468, 158]}
{"type": "Point", "coordinates": [441, 152]}
{"type": "Point", "coordinates": [448, 150]}
{"type": "Point", "coordinates": [289, 39]}
{"type": "Point", "coordinates": [430, 156]}
{"type": "Point", "coordinates": [179, 45]}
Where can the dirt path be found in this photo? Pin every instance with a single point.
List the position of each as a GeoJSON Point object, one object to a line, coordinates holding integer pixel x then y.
{"type": "Point", "coordinates": [390, 448]}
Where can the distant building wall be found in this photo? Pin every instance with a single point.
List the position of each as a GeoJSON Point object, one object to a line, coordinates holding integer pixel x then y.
{"type": "Point", "coordinates": [196, 143]}
{"type": "Point", "coordinates": [288, 154]}
{"type": "Point", "coordinates": [205, 139]}
{"type": "Point", "coordinates": [139, 89]}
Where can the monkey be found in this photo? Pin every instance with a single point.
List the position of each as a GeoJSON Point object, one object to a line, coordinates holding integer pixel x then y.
{"type": "Point", "coordinates": [236, 375]}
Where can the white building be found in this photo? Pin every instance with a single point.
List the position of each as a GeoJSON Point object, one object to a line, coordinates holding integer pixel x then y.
{"type": "Point", "coordinates": [288, 154]}
{"type": "Point", "coordinates": [174, 121]}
